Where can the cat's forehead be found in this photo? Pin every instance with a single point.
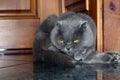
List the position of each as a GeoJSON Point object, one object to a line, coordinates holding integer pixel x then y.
{"type": "Point", "coordinates": [70, 23]}
{"type": "Point", "coordinates": [67, 25]}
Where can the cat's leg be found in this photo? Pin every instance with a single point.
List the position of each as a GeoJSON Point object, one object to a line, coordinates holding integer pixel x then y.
{"type": "Point", "coordinates": [56, 58]}
{"type": "Point", "coordinates": [106, 57]}
{"type": "Point", "coordinates": [113, 56]}
{"type": "Point", "coordinates": [36, 50]}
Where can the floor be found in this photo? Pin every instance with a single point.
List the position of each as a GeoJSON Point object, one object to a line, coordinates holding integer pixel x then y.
{"type": "Point", "coordinates": [16, 67]}
{"type": "Point", "coordinates": [20, 67]}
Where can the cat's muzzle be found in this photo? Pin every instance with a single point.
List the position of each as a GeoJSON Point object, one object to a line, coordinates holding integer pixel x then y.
{"type": "Point", "coordinates": [69, 52]}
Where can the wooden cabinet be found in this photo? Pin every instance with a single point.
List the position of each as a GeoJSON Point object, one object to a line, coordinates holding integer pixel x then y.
{"type": "Point", "coordinates": [18, 23]}
{"type": "Point", "coordinates": [18, 9]}
{"type": "Point", "coordinates": [76, 5]}
{"type": "Point", "coordinates": [111, 25]}
{"type": "Point", "coordinates": [48, 7]}
{"type": "Point", "coordinates": [19, 20]}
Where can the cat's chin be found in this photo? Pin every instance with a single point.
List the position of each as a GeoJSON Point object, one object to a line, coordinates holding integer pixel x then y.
{"type": "Point", "coordinates": [78, 57]}
{"type": "Point", "coordinates": [67, 52]}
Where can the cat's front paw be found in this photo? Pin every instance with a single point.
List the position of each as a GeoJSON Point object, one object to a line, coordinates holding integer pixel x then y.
{"type": "Point", "coordinates": [113, 56]}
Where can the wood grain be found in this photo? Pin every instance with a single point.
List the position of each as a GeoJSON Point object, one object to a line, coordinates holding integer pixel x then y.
{"type": "Point", "coordinates": [21, 8]}
{"type": "Point", "coordinates": [111, 76]}
{"type": "Point", "coordinates": [75, 5]}
{"type": "Point", "coordinates": [93, 10]}
{"type": "Point", "coordinates": [48, 7]}
{"type": "Point", "coordinates": [18, 5]}
{"type": "Point", "coordinates": [20, 72]}
{"type": "Point", "coordinates": [70, 2]}
{"type": "Point", "coordinates": [111, 25]}
{"type": "Point", "coordinates": [17, 33]}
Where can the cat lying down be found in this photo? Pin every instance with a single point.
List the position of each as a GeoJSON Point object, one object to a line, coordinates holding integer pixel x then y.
{"type": "Point", "coordinates": [69, 39]}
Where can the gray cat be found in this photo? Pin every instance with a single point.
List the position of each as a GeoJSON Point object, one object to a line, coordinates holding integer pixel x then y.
{"type": "Point", "coordinates": [69, 39]}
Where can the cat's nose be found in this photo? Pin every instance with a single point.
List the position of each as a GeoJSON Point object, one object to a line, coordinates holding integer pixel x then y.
{"type": "Point", "coordinates": [68, 47]}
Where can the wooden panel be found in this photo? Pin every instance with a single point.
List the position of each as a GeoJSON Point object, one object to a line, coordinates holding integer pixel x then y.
{"type": "Point", "coordinates": [14, 5]}
{"type": "Point", "coordinates": [111, 25]}
{"type": "Point", "coordinates": [112, 76]}
{"type": "Point", "coordinates": [76, 5]}
{"type": "Point", "coordinates": [93, 9]}
{"type": "Point", "coordinates": [99, 26]}
{"type": "Point", "coordinates": [17, 33]}
{"type": "Point", "coordinates": [48, 7]}
{"type": "Point", "coordinates": [18, 8]}
{"type": "Point", "coordinates": [70, 2]}
{"type": "Point", "coordinates": [19, 22]}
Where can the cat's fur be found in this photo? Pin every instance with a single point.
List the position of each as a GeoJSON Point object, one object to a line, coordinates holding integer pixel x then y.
{"type": "Point", "coordinates": [68, 39]}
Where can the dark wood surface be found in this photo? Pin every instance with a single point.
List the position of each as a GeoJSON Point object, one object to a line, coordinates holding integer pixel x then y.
{"type": "Point", "coordinates": [115, 76]}
{"type": "Point", "coordinates": [21, 67]}
{"type": "Point", "coordinates": [28, 57]}
{"type": "Point", "coordinates": [76, 5]}
{"type": "Point", "coordinates": [18, 72]}
{"type": "Point", "coordinates": [16, 67]}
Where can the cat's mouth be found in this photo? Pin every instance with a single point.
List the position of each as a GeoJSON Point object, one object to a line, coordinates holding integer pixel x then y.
{"type": "Point", "coordinates": [78, 57]}
{"type": "Point", "coordinates": [68, 52]}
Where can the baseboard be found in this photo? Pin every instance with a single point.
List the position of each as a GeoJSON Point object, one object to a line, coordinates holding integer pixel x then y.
{"type": "Point", "coordinates": [16, 51]}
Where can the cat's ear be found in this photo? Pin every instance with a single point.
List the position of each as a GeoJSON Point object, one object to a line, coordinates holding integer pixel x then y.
{"type": "Point", "coordinates": [59, 23]}
{"type": "Point", "coordinates": [83, 25]}
{"type": "Point", "coordinates": [58, 27]}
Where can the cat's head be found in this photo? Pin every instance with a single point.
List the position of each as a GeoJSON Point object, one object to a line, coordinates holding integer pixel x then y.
{"type": "Point", "coordinates": [72, 35]}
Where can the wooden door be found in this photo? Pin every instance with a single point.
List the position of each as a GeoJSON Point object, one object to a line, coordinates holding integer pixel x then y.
{"type": "Point", "coordinates": [111, 25]}
{"type": "Point", "coordinates": [19, 20]}
{"type": "Point", "coordinates": [18, 23]}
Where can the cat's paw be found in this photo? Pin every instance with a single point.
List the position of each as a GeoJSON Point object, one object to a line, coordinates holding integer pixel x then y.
{"type": "Point", "coordinates": [113, 56]}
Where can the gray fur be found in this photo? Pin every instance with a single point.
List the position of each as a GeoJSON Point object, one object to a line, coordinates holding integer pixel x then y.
{"type": "Point", "coordinates": [68, 27]}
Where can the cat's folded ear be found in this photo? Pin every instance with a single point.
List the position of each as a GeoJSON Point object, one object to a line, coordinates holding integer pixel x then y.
{"type": "Point", "coordinates": [83, 25]}
{"type": "Point", "coordinates": [59, 23]}
{"type": "Point", "coordinates": [51, 17]}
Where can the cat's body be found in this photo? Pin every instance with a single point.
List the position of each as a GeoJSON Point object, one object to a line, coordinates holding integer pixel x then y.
{"type": "Point", "coordinates": [67, 40]}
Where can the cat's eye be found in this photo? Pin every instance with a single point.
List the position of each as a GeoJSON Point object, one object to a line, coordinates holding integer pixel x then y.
{"type": "Point", "coordinates": [61, 41]}
{"type": "Point", "coordinates": [76, 41]}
